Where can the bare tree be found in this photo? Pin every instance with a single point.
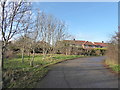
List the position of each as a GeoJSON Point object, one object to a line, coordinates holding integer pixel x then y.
{"type": "Point", "coordinates": [33, 45]}
{"type": "Point", "coordinates": [113, 49]}
{"type": "Point", "coordinates": [42, 26]}
{"type": "Point", "coordinates": [24, 44]}
{"type": "Point", "coordinates": [51, 30]}
{"type": "Point", "coordinates": [14, 19]}
{"type": "Point", "coordinates": [60, 34]}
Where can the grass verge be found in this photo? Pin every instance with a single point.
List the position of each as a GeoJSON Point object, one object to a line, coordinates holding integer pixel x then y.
{"type": "Point", "coordinates": [114, 67]}
{"type": "Point", "coordinates": [21, 75]}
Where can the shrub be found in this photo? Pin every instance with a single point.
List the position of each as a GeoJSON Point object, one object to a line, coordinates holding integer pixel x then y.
{"type": "Point", "coordinates": [112, 52]}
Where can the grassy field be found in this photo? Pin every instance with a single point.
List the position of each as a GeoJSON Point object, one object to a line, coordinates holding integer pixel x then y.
{"type": "Point", "coordinates": [22, 75]}
{"type": "Point", "coordinates": [16, 63]}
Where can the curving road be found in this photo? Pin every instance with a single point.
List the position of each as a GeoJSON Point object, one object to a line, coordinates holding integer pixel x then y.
{"type": "Point", "coordinates": [79, 73]}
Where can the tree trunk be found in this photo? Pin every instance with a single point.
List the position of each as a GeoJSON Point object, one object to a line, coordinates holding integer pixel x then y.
{"type": "Point", "coordinates": [69, 50]}
{"type": "Point", "coordinates": [28, 54]}
{"type": "Point", "coordinates": [2, 58]}
{"type": "Point", "coordinates": [66, 52]}
{"type": "Point", "coordinates": [32, 61]}
{"type": "Point", "coordinates": [23, 55]}
{"type": "Point", "coordinates": [44, 54]}
{"type": "Point", "coordinates": [3, 47]}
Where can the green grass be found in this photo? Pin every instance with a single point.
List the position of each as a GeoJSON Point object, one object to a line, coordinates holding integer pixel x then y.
{"type": "Point", "coordinates": [22, 75]}
{"type": "Point", "coordinates": [113, 64]}
{"type": "Point", "coordinates": [16, 63]}
{"type": "Point", "coordinates": [115, 68]}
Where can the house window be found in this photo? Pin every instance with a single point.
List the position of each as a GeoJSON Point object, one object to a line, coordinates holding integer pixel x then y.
{"type": "Point", "coordinates": [86, 46]}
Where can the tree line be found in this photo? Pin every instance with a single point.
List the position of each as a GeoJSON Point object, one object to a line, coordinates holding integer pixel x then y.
{"type": "Point", "coordinates": [29, 29]}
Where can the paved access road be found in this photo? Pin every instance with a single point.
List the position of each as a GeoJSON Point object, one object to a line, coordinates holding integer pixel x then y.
{"type": "Point", "coordinates": [80, 73]}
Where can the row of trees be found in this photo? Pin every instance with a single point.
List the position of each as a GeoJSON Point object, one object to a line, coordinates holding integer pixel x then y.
{"type": "Point", "coordinates": [33, 31]}
{"type": "Point", "coordinates": [15, 20]}
{"type": "Point", "coordinates": [41, 47]}
{"type": "Point", "coordinates": [19, 22]}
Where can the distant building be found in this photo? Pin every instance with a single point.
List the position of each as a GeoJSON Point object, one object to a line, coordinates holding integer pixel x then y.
{"type": "Point", "coordinates": [86, 44]}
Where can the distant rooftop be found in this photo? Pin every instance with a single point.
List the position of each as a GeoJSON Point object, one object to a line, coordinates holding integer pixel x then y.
{"type": "Point", "coordinates": [86, 42]}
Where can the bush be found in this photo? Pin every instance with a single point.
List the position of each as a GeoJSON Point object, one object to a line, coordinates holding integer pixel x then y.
{"type": "Point", "coordinates": [95, 52]}
{"type": "Point", "coordinates": [112, 52]}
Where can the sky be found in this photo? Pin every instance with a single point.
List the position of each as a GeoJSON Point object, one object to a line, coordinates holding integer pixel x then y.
{"type": "Point", "coordinates": [90, 21]}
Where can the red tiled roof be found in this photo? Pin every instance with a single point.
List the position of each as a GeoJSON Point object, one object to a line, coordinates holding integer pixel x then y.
{"type": "Point", "coordinates": [75, 42]}
{"type": "Point", "coordinates": [86, 42]}
{"type": "Point", "coordinates": [101, 44]}
{"type": "Point", "coordinates": [79, 42]}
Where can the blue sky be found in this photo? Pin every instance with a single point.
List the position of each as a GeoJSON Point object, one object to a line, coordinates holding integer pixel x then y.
{"type": "Point", "coordinates": [92, 21]}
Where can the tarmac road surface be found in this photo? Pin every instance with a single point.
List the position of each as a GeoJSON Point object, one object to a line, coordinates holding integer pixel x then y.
{"type": "Point", "coordinates": [79, 73]}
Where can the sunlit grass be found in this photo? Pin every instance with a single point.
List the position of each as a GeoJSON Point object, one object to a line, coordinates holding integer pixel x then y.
{"type": "Point", "coordinates": [115, 67]}
{"type": "Point", "coordinates": [113, 64]}
{"type": "Point", "coordinates": [16, 63]}
{"type": "Point", "coordinates": [22, 75]}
